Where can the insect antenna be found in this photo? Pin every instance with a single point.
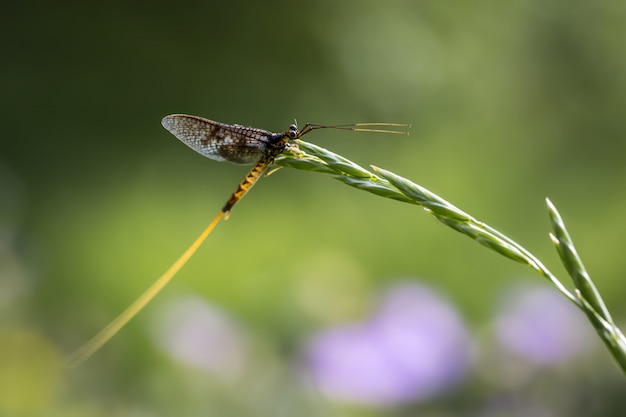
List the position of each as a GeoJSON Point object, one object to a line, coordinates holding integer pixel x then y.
{"type": "Point", "coordinates": [359, 127]}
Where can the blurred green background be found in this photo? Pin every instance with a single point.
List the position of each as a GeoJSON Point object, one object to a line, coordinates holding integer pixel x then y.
{"type": "Point", "coordinates": [510, 102]}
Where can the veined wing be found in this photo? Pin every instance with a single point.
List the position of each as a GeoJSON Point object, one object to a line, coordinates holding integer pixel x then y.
{"type": "Point", "coordinates": [219, 141]}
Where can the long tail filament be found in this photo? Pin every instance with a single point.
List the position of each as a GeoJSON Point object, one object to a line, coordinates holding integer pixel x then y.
{"type": "Point", "coordinates": [85, 351]}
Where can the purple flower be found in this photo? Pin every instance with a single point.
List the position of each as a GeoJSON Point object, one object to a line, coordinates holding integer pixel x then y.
{"type": "Point", "coordinates": [541, 326]}
{"type": "Point", "coordinates": [413, 347]}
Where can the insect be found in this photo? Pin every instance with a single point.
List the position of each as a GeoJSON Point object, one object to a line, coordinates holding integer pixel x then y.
{"type": "Point", "coordinates": [220, 142]}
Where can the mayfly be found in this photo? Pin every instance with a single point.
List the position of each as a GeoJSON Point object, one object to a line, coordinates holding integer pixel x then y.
{"type": "Point", "coordinates": [220, 142]}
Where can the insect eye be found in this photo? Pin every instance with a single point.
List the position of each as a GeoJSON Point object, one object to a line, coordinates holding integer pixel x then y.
{"type": "Point", "coordinates": [293, 131]}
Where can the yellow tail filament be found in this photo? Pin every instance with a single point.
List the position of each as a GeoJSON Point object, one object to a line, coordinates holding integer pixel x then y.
{"type": "Point", "coordinates": [96, 342]}
{"type": "Point", "coordinates": [84, 352]}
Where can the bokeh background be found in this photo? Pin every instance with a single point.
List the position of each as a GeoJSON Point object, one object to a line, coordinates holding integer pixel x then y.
{"type": "Point", "coordinates": [314, 299]}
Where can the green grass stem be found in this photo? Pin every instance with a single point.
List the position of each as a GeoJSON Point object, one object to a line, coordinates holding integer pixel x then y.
{"type": "Point", "coordinates": [386, 184]}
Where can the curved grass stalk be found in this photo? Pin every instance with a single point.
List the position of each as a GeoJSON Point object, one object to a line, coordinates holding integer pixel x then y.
{"type": "Point", "coordinates": [386, 184]}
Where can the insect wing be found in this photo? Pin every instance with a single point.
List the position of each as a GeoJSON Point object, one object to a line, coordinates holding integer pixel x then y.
{"type": "Point", "coordinates": [218, 141]}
